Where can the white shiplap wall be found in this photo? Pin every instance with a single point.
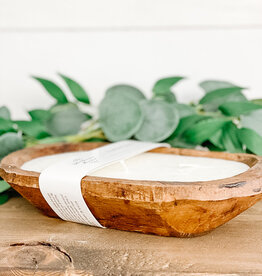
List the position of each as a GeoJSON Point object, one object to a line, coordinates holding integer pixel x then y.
{"type": "Point", "coordinates": [105, 42]}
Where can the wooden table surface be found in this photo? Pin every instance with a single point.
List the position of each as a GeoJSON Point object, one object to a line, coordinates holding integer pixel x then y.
{"type": "Point", "coordinates": [33, 244]}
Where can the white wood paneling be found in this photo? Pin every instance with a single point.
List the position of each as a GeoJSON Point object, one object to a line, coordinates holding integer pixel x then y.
{"type": "Point", "coordinates": [100, 59]}
{"type": "Point", "coordinates": [88, 14]}
{"type": "Point", "coordinates": [134, 41]}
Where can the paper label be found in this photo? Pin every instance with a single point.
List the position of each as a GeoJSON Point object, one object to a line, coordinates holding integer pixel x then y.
{"type": "Point", "coordinates": [60, 183]}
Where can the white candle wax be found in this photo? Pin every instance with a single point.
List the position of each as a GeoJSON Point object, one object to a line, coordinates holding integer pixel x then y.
{"type": "Point", "coordinates": [154, 166]}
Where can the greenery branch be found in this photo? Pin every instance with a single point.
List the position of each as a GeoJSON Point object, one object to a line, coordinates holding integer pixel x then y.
{"type": "Point", "coordinates": [222, 120]}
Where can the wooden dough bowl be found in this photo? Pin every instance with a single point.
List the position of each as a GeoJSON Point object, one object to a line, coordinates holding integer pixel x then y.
{"type": "Point", "coordinates": [181, 209]}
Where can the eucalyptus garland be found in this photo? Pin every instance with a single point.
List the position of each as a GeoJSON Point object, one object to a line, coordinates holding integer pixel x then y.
{"type": "Point", "coordinates": [222, 120]}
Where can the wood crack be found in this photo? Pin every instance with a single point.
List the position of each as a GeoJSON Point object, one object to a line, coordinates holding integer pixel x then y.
{"type": "Point", "coordinates": [55, 247]}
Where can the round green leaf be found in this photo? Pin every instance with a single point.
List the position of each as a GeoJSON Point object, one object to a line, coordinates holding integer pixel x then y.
{"type": "Point", "coordinates": [160, 120]}
{"type": "Point", "coordinates": [5, 126]}
{"type": "Point", "coordinates": [60, 107]}
{"type": "Point", "coordinates": [64, 122]}
{"type": "Point", "coordinates": [10, 142]}
{"type": "Point", "coordinates": [5, 113]}
{"type": "Point", "coordinates": [125, 90]}
{"type": "Point", "coordinates": [184, 110]}
{"type": "Point", "coordinates": [120, 116]}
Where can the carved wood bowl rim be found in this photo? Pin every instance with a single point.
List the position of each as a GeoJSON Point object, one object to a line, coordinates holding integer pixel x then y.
{"type": "Point", "coordinates": [248, 183]}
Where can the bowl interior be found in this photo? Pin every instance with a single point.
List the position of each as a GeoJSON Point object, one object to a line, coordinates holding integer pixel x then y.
{"type": "Point", "coordinates": [244, 184]}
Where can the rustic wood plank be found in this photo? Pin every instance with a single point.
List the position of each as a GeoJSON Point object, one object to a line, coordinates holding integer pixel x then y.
{"type": "Point", "coordinates": [31, 242]}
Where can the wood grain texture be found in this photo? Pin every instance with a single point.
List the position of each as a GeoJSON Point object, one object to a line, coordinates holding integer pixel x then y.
{"type": "Point", "coordinates": [44, 246]}
{"type": "Point", "coordinates": [181, 209]}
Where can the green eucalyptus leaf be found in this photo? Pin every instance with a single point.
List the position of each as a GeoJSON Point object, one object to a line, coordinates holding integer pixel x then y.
{"type": "Point", "coordinates": [253, 120]}
{"type": "Point", "coordinates": [211, 85]}
{"type": "Point", "coordinates": [32, 128]}
{"type": "Point", "coordinates": [160, 121]}
{"type": "Point", "coordinates": [53, 89]}
{"type": "Point", "coordinates": [163, 86]}
{"type": "Point", "coordinates": [216, 139]}
{"type": "Point", "coordinates": [238, 108]}
{"type": "Point", "coordinates": [65, 121]}
{"type": "Point", "coordinates": [212, 100]}
{"type": "Point", "coordinates": [203, 130]}
{"type": "Point", "coordinates": [211, 146]}
{"type": "Point", "coordinates": [39, 115]}
{"type": "Point", "coordinates": [186, 123]}
{"type": "Point", "coordinates": [3, 198]}
{"type": "Point", "coordinates": [128, 91]}
{"type": "Point", "coordinates": [77, 90]}
{"type": "Point", "coordinates": [179, 142]}
{"type": "Point", "coordinates": [5, 113]}
{"type": "Point", "coordinates": [120, 116]}
{"type": "Point", "coordinates": [168, 97]}
{"type": "Point", "coordinates": [10, 142]}
{"type": "Point", "coordinates": [61, 107]}
{"type": "Point", "coordinates": [251, 139]}
{"type": "Point", "coordinates": [5, 126]}
{"type": "Point", "coordinates": [230, 138]}
{"type": "Point", "coordinates": [184, 110]}
{"type": "Point", "coordinates": [4, 186]}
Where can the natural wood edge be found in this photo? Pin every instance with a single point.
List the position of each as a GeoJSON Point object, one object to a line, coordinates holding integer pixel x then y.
{"type": "Point", "coordinates": [245, 184]}
{"type": "Point", "coordinates": [154, 207]}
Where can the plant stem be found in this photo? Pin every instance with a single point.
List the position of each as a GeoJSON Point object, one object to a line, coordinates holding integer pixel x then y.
{"type": "Point", "coordinates": [85, 136]}
{"type": "Point", "coordinates": [77, 138]}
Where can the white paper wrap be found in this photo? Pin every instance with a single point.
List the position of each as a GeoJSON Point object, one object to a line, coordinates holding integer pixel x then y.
{"type": "Point", "coordinates": [60, 183]}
